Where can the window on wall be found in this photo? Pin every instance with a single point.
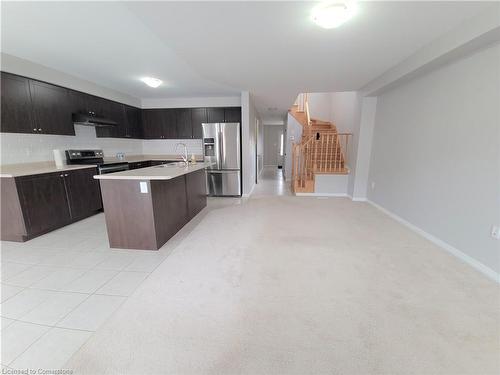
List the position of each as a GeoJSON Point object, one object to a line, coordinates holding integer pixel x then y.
{"type": "Point", "coordinates": [281, 144]}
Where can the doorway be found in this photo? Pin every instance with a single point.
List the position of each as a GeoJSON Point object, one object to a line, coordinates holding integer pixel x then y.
{"type": "Point", "coordinates": [273, 146]}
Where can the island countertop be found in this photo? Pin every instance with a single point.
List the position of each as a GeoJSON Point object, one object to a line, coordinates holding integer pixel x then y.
{"type": "Point", "coordinates": [158, 172]}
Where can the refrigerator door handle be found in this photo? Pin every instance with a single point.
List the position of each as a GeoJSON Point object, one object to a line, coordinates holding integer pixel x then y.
{"type": "Point", "coordinates": [222, 156]}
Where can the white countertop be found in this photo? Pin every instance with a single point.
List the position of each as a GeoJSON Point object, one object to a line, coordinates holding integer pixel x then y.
{"type": "Point", "coordinates": [27, 169]}
{"type": "Point", "coordinates": [159, 172]}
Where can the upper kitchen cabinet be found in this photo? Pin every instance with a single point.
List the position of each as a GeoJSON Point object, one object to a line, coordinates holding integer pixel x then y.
{"type": "Point", "coordinates": [134, 122]}
{"type": "Point", "coordinates": [16, 105]}
{"type": "Point", "coordinates": [232, 114]}
{"type": "Point", "coordinates": [215, 114]}
{"type": "Point", "coordinates": [116, 112]}
{"type": "Point", "coordinates": [51, 109]}
{"type": "Point", "coordinates": [98, 106]}
{"type": "Point", "coordinates": [198, 117]}
{"type": "Point", "coordinates": [152, 123]}
{"type": "Point", "coordinates": [159, 123]}
{"type": "Point", "coordinates": [184, 127]}
{"type": "Point", "coordinates": [170, 123]}
{"type": "Point", "coordinates": [79, 101]}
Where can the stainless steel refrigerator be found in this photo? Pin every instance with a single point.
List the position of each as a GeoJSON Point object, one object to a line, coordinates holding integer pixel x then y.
{"type": "Point", "coordinates": [222, 147]}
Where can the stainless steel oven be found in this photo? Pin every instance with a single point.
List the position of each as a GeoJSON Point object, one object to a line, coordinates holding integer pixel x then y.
{"type": "Point", "coordinates": [95, 157]}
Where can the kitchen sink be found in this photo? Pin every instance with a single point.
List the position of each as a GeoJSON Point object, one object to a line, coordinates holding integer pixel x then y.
{"type": "Point", "coordinates": [172, 165]}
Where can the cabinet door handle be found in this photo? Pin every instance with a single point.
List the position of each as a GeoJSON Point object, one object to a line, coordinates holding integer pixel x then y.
{"type": "Point", "coordinates": [34, 129]}
{"type": "Point", "coordinates": [61, 175]}
{"type": "Point", "coordinates": [65, 175]}
{"type": "Point", "coordinates": [39, 129]}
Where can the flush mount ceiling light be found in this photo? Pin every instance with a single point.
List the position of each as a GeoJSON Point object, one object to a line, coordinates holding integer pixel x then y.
{"type": "Point", "coordinates": [331, 14]}
{"type": "Point", "coordinates": [151, 82]}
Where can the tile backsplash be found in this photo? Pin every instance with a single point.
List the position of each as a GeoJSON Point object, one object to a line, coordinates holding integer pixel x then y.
{"type": "Point", "coordinates": [25, 148]}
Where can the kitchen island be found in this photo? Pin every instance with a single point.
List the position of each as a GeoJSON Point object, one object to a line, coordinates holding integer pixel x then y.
{"type": "Point", "coordinates": [145, 207]}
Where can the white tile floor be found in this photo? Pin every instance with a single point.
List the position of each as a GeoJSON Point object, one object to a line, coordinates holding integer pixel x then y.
{"type": "Point", "coordinates": [59, 288]}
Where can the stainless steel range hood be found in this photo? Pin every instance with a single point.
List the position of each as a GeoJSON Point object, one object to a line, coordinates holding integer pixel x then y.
{"type": "Point", "coordinates": [90, 119]}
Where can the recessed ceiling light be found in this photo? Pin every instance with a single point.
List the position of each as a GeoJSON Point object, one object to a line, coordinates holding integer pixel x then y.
{"type": "Point", "coordinates": [151, 82]}
{"type": "Point", "coordinates": [331, 14]}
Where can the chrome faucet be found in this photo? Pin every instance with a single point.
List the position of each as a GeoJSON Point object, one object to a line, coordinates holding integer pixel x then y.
{"type": "Point", "coordinates": [184, 155]}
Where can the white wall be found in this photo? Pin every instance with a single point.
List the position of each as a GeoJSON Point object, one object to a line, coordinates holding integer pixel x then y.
{"type": "Point", "coordinates": [215, 101]}
{"type": "Point", "coordinates": [436, 154]}
{"type": "Point", "coordinates": [293, 135]}
{"type": "Point", "coordinates": [345, 114]}
{"type": "Point", "coordinates": [320, 105]}
{"type": "Point", "coordinates": [272, 138]}
{"type": "Point", "coordinates": [249, 121]}
{"type": "Point", "coordinates": [366, 126]}
{"type": "Point", "coordinates": [260, 147]}
{"type": "Point", "coordinates": [26, 148]}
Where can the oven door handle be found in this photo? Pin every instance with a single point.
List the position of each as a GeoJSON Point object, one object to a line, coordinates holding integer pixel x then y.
{"type": "Point", "coordinates": [104, 170]}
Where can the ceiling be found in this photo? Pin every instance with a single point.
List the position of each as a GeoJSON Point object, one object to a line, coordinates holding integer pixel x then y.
{"type": "Point", "coordinates": [271, 49]}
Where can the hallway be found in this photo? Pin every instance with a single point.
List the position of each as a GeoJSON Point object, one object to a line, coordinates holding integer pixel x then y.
{"type": "Point", "coordinates": [271, 183]}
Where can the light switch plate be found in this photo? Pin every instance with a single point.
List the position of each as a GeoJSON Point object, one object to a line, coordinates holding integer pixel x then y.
{"type": "Point", "coordinates": [144, 187]}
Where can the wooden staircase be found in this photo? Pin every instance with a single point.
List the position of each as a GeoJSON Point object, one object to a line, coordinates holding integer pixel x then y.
{"type": "Point", "coordinates": [321, 150]}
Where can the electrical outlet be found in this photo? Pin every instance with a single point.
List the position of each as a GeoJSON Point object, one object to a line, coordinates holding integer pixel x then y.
{"type": "Point", "coordinates": [495, 232]}
{"type": "Point", "coordinates": [373, 185]}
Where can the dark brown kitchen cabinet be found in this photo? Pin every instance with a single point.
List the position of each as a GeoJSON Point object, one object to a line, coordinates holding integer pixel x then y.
{"type": "Point", "coordinates": [232, 114]}
{"type": "Point", "coordinates": [152, 123]}
{"type": "Point", "coordinates": [159, 123]}
{"type": "Point", "coordinates": [51, 109]}
{"type": "Point", "coordinates": [16, 104]}
{"type": "Point", "coordinates": [198, 117]}
{"type": "Point", "coordinates": [43, 202]}
{"type": "Point", "coordinates": [98, 106]}
{"type": "Point", "coordinates": [40, 203]}
{"type": "Point", "coordinates": [184, 127]}
{"type": "Point", "coordinates": [116, 112]}
{"type": "Point", "coordinates": [215, 114]}
{"type": "Point", "coordinates": [133, 121]}
{"type": "Point", "coordinates": [170, 124]}
{"type": "Point", "coordinates": [196, 192]}
{"type": "Point", "coordinates": [79, 101]}
{"type": "Point", "coordinates": [84, 194]}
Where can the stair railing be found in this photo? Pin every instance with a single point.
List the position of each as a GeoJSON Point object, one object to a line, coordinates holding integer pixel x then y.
{"type": "Point", "coordinates": [301, 102]}
{"type": "Point", "coordinates": [324, 151]}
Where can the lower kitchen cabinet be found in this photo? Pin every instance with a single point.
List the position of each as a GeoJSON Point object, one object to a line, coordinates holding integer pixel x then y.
{"type": "Point", "coordinates": [40, 203]}
{"type": "Point", "coordinates": [43, 202]}
{"type": "Point", "coordinates": [84, 194]}
{"type": "Point", "coordinates": [196, 192]}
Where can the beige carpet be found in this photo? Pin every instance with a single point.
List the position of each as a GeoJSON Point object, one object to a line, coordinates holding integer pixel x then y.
{"type": "Point", "coordinates": [289, 285]}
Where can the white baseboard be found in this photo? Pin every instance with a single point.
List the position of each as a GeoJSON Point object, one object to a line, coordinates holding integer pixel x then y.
{"type": "Point", "coordinates": [322, 195]}
{"type": "Point", "coordinates": [355, 199]}
{"type": "Point", "coordinates": [485, 270]}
